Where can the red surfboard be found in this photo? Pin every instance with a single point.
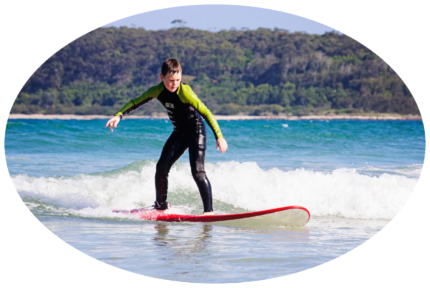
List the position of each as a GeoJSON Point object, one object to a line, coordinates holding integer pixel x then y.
{"type": "Point", "coordinates": [290, 215]}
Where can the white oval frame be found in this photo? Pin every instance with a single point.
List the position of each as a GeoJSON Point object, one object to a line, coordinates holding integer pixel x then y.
{"type": "Point", "coordinates": [117, 270]}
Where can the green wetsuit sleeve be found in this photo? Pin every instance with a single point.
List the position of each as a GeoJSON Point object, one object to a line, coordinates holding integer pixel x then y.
{"type": "Point", "coordinates": [147, 96]}
{"type": "Point", "coordinates": [187, 95]}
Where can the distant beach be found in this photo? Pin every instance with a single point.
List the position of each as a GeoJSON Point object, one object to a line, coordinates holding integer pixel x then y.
{"type": "Point", "coordinates": [228, 117]}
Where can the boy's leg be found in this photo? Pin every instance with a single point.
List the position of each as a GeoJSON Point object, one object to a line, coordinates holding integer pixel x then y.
{"type": "Point", "coordinates": [197, 152]}
{"type": "Point", "coordinates": [172, 150]}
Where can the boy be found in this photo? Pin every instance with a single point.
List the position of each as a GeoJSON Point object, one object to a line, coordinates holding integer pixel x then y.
{"type": "Point", "coordinates": [185, 111]}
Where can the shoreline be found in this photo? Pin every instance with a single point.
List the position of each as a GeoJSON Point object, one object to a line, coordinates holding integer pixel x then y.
{"type": "Point", "coordinates": [225, 117]}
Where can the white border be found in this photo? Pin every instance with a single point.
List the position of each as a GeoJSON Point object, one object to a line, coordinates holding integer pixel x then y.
{"type": "Point", "coordinates": [230, 2]}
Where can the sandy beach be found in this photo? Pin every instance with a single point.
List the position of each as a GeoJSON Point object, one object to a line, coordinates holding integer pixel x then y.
{"type": "Point", "coordinates": [228, 117]}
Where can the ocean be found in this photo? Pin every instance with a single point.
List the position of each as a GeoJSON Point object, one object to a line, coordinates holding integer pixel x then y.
{"type": "Point", "coordinates": [353, 176]}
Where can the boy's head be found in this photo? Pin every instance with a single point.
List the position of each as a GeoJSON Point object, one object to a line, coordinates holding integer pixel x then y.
{"type": "Point", "coordinates": [171, 74]}
{"type": "Point", "coordinates": [171, 66]}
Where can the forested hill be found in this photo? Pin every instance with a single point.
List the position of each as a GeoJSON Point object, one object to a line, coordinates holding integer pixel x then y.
{"type": "Point", "coordinates": [250, 72]}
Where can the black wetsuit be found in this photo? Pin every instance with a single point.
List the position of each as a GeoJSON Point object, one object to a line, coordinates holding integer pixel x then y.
{"type": "Point", "coordinates": [185, 111]}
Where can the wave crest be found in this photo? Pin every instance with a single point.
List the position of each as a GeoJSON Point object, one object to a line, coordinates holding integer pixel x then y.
{"type": "Point", "coordinates": [240, 186]}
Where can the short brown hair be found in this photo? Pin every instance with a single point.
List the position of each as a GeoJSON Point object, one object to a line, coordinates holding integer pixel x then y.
{"type": "Point", "coordinates": [171, 66]}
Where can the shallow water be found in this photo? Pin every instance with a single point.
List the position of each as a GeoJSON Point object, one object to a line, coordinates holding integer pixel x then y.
{"type": "Point", "coordinates": [210, 253]}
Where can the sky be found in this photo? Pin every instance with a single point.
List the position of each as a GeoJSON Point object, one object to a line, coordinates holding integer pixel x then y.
{"type": "Point", "coordinates": [219, 17]}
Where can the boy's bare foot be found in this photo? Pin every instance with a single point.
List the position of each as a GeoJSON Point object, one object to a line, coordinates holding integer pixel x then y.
{"type": "Point", "coordinates": [208, 213]}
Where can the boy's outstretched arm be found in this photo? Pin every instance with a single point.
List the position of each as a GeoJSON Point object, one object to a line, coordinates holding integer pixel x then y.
{"type": "Point", "coordinates": [133, 104]}
{"type": "Point", "coordinates": [113, 122]}
{"type": "Point", "coordinates": [221, 144]}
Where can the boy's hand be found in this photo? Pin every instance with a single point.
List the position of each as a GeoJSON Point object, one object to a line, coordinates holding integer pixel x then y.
{"type": "Point", "coordinates": [113, 122]}
{"type": "Point", "coordinates": [221, 143]}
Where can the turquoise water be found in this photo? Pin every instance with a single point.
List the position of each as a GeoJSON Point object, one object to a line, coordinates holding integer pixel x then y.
{"type": "Point", "coordinates": [353, 176]}
{"type": "Point", "coordinates": [74, 146]}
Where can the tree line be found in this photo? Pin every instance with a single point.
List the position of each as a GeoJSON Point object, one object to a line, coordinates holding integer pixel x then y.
{"type": "Point", "coordinates": [250, 72]}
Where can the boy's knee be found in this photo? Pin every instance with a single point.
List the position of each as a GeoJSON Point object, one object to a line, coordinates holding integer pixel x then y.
{"type": "Point", "coordinates": [199, 176]}
{"type": "Point", "coordinates": [161, 168]}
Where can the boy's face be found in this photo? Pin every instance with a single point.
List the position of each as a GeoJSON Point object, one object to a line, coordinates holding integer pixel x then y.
{"type": "Point", "coordinates": [171, 81]}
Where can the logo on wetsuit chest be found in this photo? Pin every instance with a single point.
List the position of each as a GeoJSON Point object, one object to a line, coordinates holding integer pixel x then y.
{"type": "Point", "coordinates": [169, 105]}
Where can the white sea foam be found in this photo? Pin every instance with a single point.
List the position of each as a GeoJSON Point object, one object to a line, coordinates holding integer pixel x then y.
{"type": "Point", "coordinates": [413, 170]}
{"type": "Point", "coordinates": [343, 192]}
